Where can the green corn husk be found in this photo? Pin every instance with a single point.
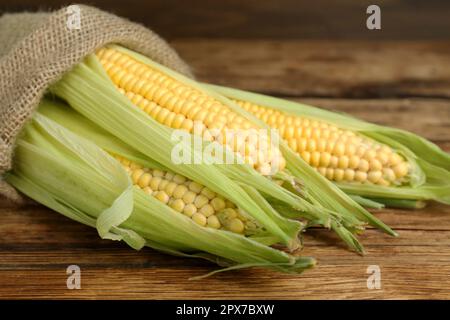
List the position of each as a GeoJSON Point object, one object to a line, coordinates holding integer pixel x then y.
{"type": "Point", "coordinates": [67, 117]}
{"type": "Point", "coordinates": [76, 178]}
{"type": "Point", "coordinates": [154, 140]}
{"type": "Point", "coordinates": [88, 89]}
{"type": "Point", "coordinates": [430, 176]}
{"type": "Point", "coordinates": [367, 202]}
{"type": "Point", "coordinates": [400, 203]}
{"type": "Point", "coordinates": [64, 115]}
{"type": "Point", "coordinates": [380, 203]}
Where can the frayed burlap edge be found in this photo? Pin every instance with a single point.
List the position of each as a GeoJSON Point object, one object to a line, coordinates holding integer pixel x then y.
{"type": "Point", "coordinates": [38, 48]}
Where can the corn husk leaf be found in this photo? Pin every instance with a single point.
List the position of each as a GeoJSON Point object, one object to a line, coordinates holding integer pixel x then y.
{"type": "Point", "coordinates": [367, 202]}
{"type": "Point", "coordinates": [430, 175]}
{"type": "Point", "coordinates": [88, 89]}
{"type": "Point", "coordinates": [323, 192]}
{"type": "Point", "coordinates": [64, 115]}
{"type": "Point", "coordinates": [76, 178]}
{"type": "Point", "coordinates": [97, 100]}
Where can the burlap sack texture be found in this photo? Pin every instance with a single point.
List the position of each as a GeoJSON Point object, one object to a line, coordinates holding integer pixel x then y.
{"type": "Point", "coordinates": [36, 49]}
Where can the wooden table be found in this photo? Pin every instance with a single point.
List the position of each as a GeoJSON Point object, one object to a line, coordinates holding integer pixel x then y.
{"type": "Point", "coordinates": [404, 84]}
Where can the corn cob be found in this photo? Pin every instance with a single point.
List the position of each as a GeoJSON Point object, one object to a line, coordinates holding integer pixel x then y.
{"type": "Point", "coordinates": [90, 89]}
{"type": "Point", "coordinates": [75, 177]}
{"type": "Point", "coordinates": [138, 163]}
{"type": "Point", "coordinates": [180, 106]}
{"type": "Point", "coordinates": [338, 154]}
{"type": "Point", "coordinates": [390, 166]}
{"type": "Point", "coordinates": [197, 202]}
{"type": "Point", "coordinates": [74, 121]}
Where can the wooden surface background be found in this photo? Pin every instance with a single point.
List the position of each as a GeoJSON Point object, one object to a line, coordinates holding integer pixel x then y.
{"type": "Point", "coordinates": [271, 19]}
{"type": "Point", "coordinates": [403, 83]}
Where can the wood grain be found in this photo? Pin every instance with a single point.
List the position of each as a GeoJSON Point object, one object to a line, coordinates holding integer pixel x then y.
{"type": "Point", "coordinates": [37, 245]}
{"type": "Point", "coordinates": [352, 69]}
{"type": "Point", "coordinates": [281, 19]}
{"type": "Point", "coordinates": [40, 245]}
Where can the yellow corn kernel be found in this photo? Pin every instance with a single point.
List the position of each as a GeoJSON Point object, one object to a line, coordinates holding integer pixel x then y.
{"type": "Point", "coordinates": [200, 201]}
{"type": "Point", "coordinates": [170, 188]}
{"type": "Point", "coordinates": [199, 219]}
{"type": "Point", "coordinates": [195, 187]}
{"type": "Point", "coordinates": [213, 222]}
{"type": "Point", "coordinates": [179, 179]}
{"type": "Point", "coordinates": [136, 175]}
{"type": "Point", "coordinates": [189, 209]}
{"type": "Point", "coordinates": [218, 204]}
{"type": "Point", "coordinates": [144, 180]}
{"type": "Point", "coordinates": [154, 183]}
{"type": "Point", "coordinates": [208, 193]}
{"type": "Point", "coordinates": [162, 196]}
{"type": "Point", "coordinates": [177, 205]}
{"type": "Point", "coordinates": [189, 197]}
{"type": "Point", "coordinates": [179, 191]}
{"type": "Point", "coordinates": [235, 225]}
{"type": "Point", "coordinates": [207, 210]}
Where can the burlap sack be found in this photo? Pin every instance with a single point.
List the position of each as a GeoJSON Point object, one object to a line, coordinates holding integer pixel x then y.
{"type": "Point", "coordinates": [36, 49]}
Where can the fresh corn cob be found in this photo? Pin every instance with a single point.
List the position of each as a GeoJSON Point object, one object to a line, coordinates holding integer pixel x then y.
{"type": "Point", "coordinates": [75, 177]}
{"type": "Point", "coordinates": [72, 120]}
{"type": "Point", "coordinates": [338, 154]}
{"type": "Point", "coordinates": [179, 106]}
{"type": "Point", "coordinates": [392, 166]}
{"type": "Point", "coordinates": [91, 90]}
{"type": "Point", "coordinates": [149, 175]}
{"type": "Point", "coordinates": [195, 201]}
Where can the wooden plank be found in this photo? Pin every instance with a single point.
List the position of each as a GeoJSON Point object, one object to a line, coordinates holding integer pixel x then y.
{"type": "Point", "coordinates": [432, 248]}
{"type": "Point", "coordinates": [324, 68]}
{"type": "Point", "coordinates": [281, 19]}
{"type": "Point", "coordinates": [39, 226]}
{"type": "Point", "coordinates": [330, 282]}
{"type": "Point", "coordinates": [37, 245]}
{"type": "Point", "coordinates": [121, 273]}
